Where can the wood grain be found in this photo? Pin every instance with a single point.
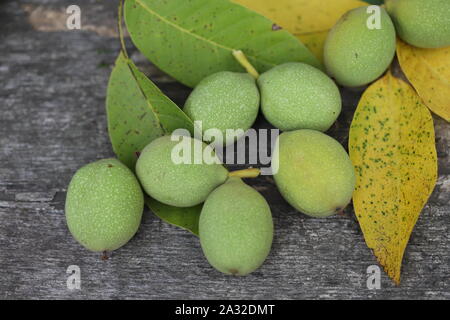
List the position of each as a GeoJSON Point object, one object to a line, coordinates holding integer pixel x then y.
{"type": "Point", "coordinates": [52, 121]}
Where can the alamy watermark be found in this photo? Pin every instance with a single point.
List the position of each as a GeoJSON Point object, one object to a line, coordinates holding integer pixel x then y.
{"type": "Point", "coordinates": [374, 20]}
{"type": "Point", "coordinates": [74, 278]}
{"type": "Point", "coordinates": [373, 277]}
{"type": "Point", "coordinates": [252, 147]}
{"type": "Point", "coordinates": [73, 21]}
{"type": "Point", "coordinates": [370, 280]}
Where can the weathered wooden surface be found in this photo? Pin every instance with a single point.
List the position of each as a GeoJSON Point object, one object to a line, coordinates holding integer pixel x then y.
{"type": "Point", "coordinates": [52, 121]}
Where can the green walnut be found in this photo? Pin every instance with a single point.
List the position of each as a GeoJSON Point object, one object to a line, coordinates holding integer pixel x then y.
{"type": "Point", "coordinates": [180, 172]}
{"type": "Point", "coordinates": [236, 228]}
{"type": "Point", "coordinates": [357, 50]}
{"type": "Point", "coordinates": [297, 96]}
{"type": "Point", "coordinates": [424, 24]}
{"type": "Point", "coordinates": [104, 205]}
{"type": "Point", "coordinates": [224, 100]}
{"type": "Point", "coordinates": [313, 172]}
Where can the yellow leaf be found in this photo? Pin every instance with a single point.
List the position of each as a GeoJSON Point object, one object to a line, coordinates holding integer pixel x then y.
{"type": "Point", "coordinates": [308, 20]}
{"type": "Point", "coordinates": [428, 70]}
{"type": "Point", "coordinates": [392, 147]}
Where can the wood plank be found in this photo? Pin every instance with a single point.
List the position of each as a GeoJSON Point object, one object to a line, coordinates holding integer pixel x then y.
{"type": "Point", "coordinates": [52, 121]}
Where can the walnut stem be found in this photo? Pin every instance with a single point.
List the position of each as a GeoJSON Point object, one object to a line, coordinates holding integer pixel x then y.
{"type": "Point", "coordinates": [245, 173]}
{"type": "Point", "coordinates": [242, 59]}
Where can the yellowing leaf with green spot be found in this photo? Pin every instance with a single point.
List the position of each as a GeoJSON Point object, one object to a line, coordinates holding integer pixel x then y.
{"type": "Point", "coordinates": [392, 147]}
{"type": "Point", "coordinates": [308, 20]}
{"type": "Point", "coordinates": [428, 70]}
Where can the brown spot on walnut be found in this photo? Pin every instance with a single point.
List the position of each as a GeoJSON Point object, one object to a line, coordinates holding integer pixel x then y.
{"type": "Point", "coordinates": [340, 211]}
{"type": "Point", "coordinates": [234, 271]}
{"type": "Point", "coordinates": [110, 165]}
{"type": "Point", "coordinates": [105, 256]}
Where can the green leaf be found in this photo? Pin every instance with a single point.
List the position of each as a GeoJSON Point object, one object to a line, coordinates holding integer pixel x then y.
{"type": "Point", "coordinates": [138, 112]}
{"type": "Point", "coordinates": [186, 218]}
{"type": "Point", "coordinates": [190, 40]}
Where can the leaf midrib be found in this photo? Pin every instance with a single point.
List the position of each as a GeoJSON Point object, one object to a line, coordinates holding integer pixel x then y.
{"type": "Point", "coordinates": [145, 96]}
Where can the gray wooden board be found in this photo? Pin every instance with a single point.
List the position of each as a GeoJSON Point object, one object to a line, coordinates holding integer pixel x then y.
{"type": "Point", "coordinates": [52, 121]}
